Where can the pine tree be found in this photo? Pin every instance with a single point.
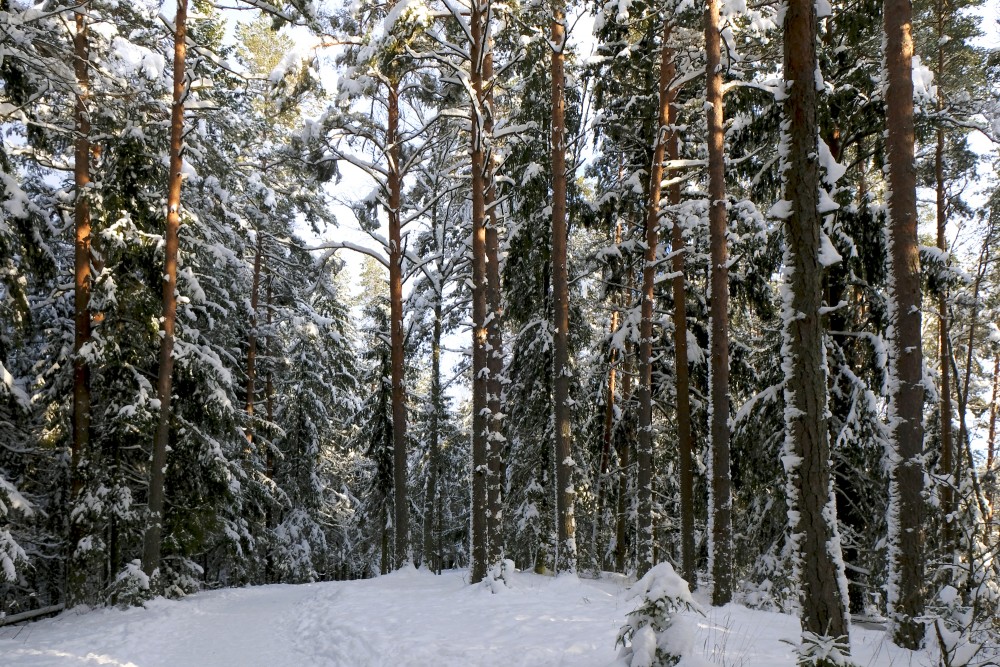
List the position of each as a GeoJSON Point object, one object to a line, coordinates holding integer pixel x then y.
{"type": "Point", "coordinates": [812, 509]}
{"type": "Point", "coordinates": [906, 530]}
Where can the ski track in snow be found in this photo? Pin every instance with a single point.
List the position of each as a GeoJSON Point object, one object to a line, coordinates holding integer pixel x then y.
{"type": "Point", "coordinates": [407, 619]}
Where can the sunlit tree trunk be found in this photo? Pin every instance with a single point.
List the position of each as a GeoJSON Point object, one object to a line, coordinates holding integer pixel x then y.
{"type": "Point", "coordinates": [157, 475]}
{"type": "Point", "coordinates": [721, 487]}
{"type": "Point", "coordinates": [906, 528]}
{"type": "Point", "coordinates": [401, 516]}
{"type": "Point", "coordinates": [81, 295]}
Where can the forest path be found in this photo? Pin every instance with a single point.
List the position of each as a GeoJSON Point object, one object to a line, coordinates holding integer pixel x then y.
{"type": "Point", "coordinates": [409, 618]}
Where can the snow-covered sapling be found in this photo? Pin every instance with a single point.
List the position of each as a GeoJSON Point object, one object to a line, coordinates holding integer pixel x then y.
{"type": "Point", "coordinates": [651, 636]}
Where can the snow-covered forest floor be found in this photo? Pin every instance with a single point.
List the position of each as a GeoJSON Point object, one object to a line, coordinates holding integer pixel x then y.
{"type": "Point", "coordinates": [407, 618]}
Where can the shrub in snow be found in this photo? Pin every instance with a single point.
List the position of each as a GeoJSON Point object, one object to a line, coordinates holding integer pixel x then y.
{"type": "Point", "coordinates": [824, 651]}
{"type": "Point", "coordinates": [966, 632]}
{"type": "Point", "coordinates": [131, 587]}
{"type": "Point", "coordinates": [651, 636]}
{"type": "Point", "coordinates": [298, 549]}
{"type": "Point", "coordinates": [180, 577]}
{"type": "Point", "coordinates": [499, 577]}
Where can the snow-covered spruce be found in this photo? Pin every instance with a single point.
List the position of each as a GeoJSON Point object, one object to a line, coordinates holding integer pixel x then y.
{"type": "Point", "coordinates": [654, 635]}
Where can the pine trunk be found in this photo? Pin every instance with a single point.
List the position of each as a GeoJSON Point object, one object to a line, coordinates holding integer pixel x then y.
{"type": "Point", "coordinates": [269, 385]}
{"type": "Point", "coordinates": [991, 439]}
{"type": "Point", "coordinates": [608, 432]}
{"type": "Point", "coordinates": [907, 395]}
{"type": "Point", "coordinates": [991, 446]}
{"type": "Point", "coordinates": [947, 465]}
{"type": "Point", "coordinates": [481, 419]}
{"type": "Point", "coordinates": [252, 341]}
{"type": "Point", "coordinates": [720, 509]}
{"type": "Point", "coordinates": [644, 450]}
{"type": "Point", "coordinates": [431, 559]}
{"type": "Point", "coordinates": [494, 332]}
{"type": "Point", "coordinates": [164, 385]}
{"type": "Point", "coordinates": [685, 441]}
{"type": "Point", "coordinates": [401, 517]}
{"type": "Point", "coordinates": [624, 461]}
{"type": "Point", "coordinates": [822, 585]}
{"type": "Point", "coordinates": [81, 295]}
{"type": "Point", "coordinates": [565, 493]}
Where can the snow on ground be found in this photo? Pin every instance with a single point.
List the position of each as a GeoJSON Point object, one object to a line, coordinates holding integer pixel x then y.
{"type": "Point", "coordinates": [406, 619]}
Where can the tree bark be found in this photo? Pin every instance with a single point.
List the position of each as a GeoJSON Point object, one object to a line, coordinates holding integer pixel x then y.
{"type": "Point", "coordinates": [644, 450]}
{"type": "Point", "coordinates": [252, 341]}
{"type": "Point", "coordinates": [481, 418]}
{"type": "Point", "coordinates": [164, 385]}
{"type": "Point", "coordinates": [685, 441]}
{"type": "Point", "coordinates": [991, 439]}
{"type": "Point", "coordinates": [433, 560]}
{"type": "Point", "coordinates": [494, 332]}
{"type": "Point", "coordinates": [947, 465]}
{"type": "Point", "coordinates": [822, 583]}
{"type": "Point", "coordinates": [991, 443]}
{"type": "Point", "coordinates": [269, 385]}
{"type": "Point", "coordinates": [401, 517]}
{"type": "Point", "coordinates": [565, 492]}
{"type": "Point", "coordinates": [720, 505]}
{"type": "Point", "coordinates": [906, 600]}
{"type": "Point", "coordinates": [608, 429]}
{"type": "Point", "coordinates": [81, 295]}
{"type": "Point", "coordinates": [624, 456]}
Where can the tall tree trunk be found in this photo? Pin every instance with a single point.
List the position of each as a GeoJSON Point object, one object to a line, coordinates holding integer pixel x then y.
{"type": "Point", "coordinates": [401, 518]}
{"type": "Point", "coordinates": [991, 445]}
{"type": "Point", "coordinates": [608, 430]}
{"type": "Point", "coordinates": [164, 384]}
{"type": "Point", "coordinates": [565, 493]}
{"type": "Point", "coordinates": [494, 331]}
{"type": "Point", "coordinates": [906, 534]}
{"type": "Point", "coordinates": [624, 456]}
{"type": "Point", "coordinates": [685, 441]}
{"type": "Point", "coordinates": [991, 439]}
{"type": "Point", "coordinates": [81, 297]}
{"type": "Point", "coordinates": [720, 503]}
{"type": "Point", "coordinates": [252, 342]}
{"type": "Point", "coordinates": [644, 450]}
{"type": "Point", "coordinates": [813, 511]}
{"type": "Point", "coordinates": [947, 465]}
{"type": "Point", "coordinates": [269, 385]}
{"type": "Point", "coordinates": [481, 419]}
{"type": "Point", "coordinates": [433, 455]}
